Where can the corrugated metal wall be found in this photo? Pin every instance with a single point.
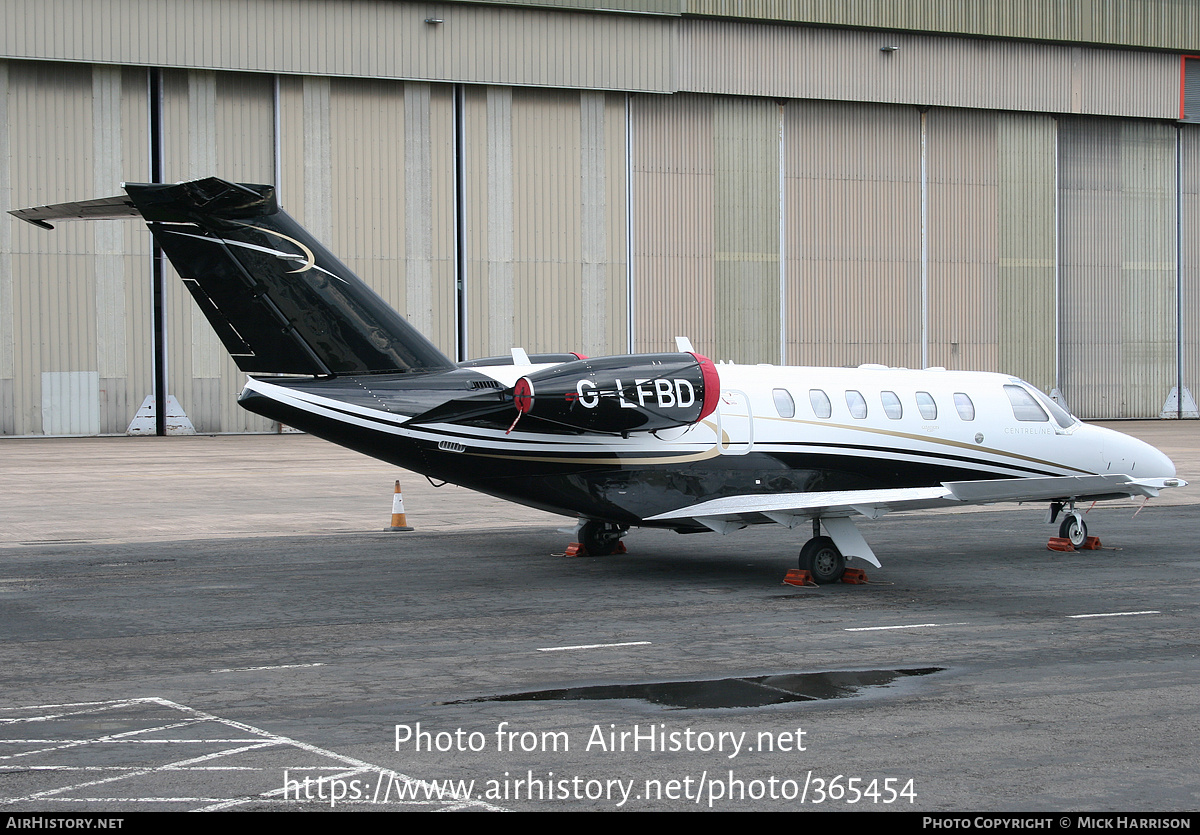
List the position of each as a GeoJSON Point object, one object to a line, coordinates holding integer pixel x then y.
{"type": "Point", "coordinates": [991, 210]}
{"type": "Point", "coordinates": [1027, 236]}
{"type": "Point", "coordinates": [366, 165]}
{"type": "Point", "coordinates": [1117, 193]}
{"type": "Point", "coordinates": [674, 237]}
{"type": "Point", "coordinates": [545, 47]}
{"type": "Point", "coordinates": [853, 242]}
{"type": "Point", "coordinates": [746, 228]}
{"type": "Point", "coordinates": [1189, 290]}
{"type": "Point", "coordinates": [820, 232]}
{"type": "Point", "coordinates": [848, 65]}
{"type": "Point", "coordinates": [545, 220]}
{"type": "Point", "coordinates": [73, 305]}
{"type": "Point", "coordinates": [706, 239]}
{"type": "Point", "coordinates": [352, 38]}
{"type": "Point", "coordinates": [853, 246]}
{"type": "Point", "coordinates": [8, 367]}
{"type": "Point", "coordinates": [1165, 24]}
{"type": "Point", "coordinates": [212, 122]}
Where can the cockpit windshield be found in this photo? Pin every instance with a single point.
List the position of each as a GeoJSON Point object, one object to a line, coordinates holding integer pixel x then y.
{"type": "Point", "coordinates": [1022, 396]}
{"type": "Point", "coordinates": [1064, 418]}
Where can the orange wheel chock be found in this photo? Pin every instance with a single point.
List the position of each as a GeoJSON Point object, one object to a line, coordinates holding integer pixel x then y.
{"type": "Point", "coordinates": [854, 576]}
{"type": "Point", "coordinates": [576, 549]}
{"type": "Point", "coordinates": [798, 577]}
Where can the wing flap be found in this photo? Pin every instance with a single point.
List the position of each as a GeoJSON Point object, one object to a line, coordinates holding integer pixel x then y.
{"type": "Point", "coordinates": [807, 505]}
{"type": "Point", "coordinates": [1047, 489]}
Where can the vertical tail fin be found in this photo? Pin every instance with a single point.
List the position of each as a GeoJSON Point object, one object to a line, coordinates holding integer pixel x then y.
{"type": "Point", "coordinates": [279, 301]}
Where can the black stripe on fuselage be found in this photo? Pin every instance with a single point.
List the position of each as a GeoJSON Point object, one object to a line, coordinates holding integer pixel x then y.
{"type": "Point", "coordinates": [506, 447]}
{"type": "Point", "coordinates": [941, 456]}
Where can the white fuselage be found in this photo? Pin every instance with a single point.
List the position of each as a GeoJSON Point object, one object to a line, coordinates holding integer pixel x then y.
{"type": "Point", "coordinates": [964, 417]}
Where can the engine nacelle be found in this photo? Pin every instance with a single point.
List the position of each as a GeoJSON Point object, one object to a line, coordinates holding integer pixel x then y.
{"type": "Point", "coordinates": [639, 393]}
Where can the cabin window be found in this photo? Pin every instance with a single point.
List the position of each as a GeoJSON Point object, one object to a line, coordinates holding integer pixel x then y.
{"type": "Point", "coordinates": [891, 405]}
{"type": "Point", "coordinates": [784, 404]}
{"type": "Point", "coordinates": [820, 403]}
{"type": "Point", "coordinates": [966, 409]}
{"type": "Point", "coordinates": [857, 404]}
{"type": "Point", "coordinates": [926, 405]}
{"type": "Point", "coordinates": [1024, 406]}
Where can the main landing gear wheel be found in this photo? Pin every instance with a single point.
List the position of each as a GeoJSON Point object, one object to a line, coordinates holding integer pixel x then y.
{"type": "Point", "coordinates": [821, 558]}
{"type": "Point", "coordinates": [1073, 528]}
{"type": "Point", "coordinates": [600, 539]}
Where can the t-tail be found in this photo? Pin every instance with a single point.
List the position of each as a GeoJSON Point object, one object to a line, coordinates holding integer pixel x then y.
{"type": "Point", "coordinates": [279, 301]}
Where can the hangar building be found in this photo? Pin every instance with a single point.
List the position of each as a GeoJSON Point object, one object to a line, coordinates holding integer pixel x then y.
{"type": "Point", "coordinates": [976, 184]}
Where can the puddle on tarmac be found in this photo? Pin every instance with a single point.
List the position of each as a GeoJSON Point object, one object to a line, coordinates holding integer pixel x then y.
{"type": "Point", "coordinates": [752, 691]}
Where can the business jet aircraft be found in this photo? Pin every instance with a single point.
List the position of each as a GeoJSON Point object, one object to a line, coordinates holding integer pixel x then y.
{"type": "Point", "coordinates": [666, 440]}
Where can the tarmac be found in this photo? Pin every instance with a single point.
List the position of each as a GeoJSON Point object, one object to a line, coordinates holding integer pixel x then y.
{"type": "Point", "coordinates": [216, 623]}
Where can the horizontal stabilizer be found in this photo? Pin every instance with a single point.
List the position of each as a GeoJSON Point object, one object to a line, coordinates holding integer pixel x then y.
{"type": "Point", "coordinates": [106, 208]}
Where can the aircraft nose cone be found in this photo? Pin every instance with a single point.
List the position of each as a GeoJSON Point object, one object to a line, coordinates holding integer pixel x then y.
{"type": "Point", "coordinates": [1141, 460]}
{"type": "Point", "coordinates": [1123, 453]}
{"type": "Point", "coordinates": [1159, 465]}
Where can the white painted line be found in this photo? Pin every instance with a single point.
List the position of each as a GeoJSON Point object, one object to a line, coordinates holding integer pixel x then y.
{"type": "Point", "coordinates": [116, 741]}
{"type": "Point", "coordinates": [1117, 614]}
{"type": "Point", "coordinates": [156, 731]}
{"type": "Point", "coordinates": [595, 646]}
{"type": "Point", "coordinates": [906, 626]}
{"type": "Point", "coordinates": [108, 739]}
{"type": "Point", "coordinates": [273, 667]}
{"type": "Point", "coordinates": [86, 707]}
{"type": "Point", "coordinates": [125, 767]}
{"type": "Point", "coordinates": [139, 772]}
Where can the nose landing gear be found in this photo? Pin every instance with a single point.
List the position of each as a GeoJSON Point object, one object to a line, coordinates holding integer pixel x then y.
{"type": "Point", "coordinates": [1072, 527]}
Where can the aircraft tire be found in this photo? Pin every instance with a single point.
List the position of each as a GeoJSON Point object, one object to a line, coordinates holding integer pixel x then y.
{"type": "Point", "coordinates": [599, 538]}
{"type": "Point", "coordinates": [1074, 529]}
{"type": "Point", "coordinates": [821, 558]}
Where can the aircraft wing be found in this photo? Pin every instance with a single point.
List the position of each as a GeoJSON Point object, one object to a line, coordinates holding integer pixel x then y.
{"type": "Point", "coordinates": [790, 509]}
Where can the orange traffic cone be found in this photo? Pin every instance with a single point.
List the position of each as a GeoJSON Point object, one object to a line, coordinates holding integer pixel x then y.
{"type": "Point", "coordinates": [399, 522]}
